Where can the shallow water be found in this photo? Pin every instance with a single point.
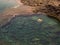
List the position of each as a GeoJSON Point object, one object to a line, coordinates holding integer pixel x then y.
{"type": "Point", "coordinates": [26, 30]}
{"type": "Point", "coordinates": [7, 4]}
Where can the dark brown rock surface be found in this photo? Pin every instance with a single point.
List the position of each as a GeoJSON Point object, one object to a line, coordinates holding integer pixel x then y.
{"type": "Point", "coordinates": [49, 7]}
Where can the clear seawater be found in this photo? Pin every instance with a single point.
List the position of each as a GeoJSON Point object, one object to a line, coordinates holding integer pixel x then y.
{"type": "Point", "coordinates": [6, 4]}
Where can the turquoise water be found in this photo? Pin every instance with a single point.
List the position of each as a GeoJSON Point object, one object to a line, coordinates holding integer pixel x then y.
{"type": "Point", "coordinates": [26, 30]}
{"type": "Point", "coordinates": [6, 4]}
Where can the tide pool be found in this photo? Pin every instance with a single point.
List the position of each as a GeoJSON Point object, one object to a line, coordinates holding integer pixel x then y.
{"type": "Point", "coordinates": [26, 30]}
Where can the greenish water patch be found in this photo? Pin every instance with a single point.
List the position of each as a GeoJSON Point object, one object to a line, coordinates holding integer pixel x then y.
{"type": "Point", "coordinates": [4, 4]}
{"type": "Point", "coordinates": [26, 30]}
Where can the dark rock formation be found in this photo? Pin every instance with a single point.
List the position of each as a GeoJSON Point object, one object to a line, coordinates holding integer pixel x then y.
{"type": "Point", "coordinates": [49, 7]}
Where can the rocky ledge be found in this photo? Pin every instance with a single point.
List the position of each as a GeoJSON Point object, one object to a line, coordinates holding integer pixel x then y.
{"type": "Point", "coordinates": [49, 7]}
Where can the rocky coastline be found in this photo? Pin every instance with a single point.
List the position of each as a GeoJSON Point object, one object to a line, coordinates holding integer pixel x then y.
{"type": "Point", "coordinates": [51, 10]}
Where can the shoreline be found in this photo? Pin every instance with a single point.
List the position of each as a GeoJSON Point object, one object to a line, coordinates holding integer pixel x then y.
{"type": "Point", "coordinates": [21, 15]}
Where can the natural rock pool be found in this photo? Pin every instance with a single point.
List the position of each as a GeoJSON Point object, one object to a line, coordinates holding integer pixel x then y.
{"type": "Point", "coordinates": [36, 29]}
{"type": "Point", "coordinates": [30, 30]}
